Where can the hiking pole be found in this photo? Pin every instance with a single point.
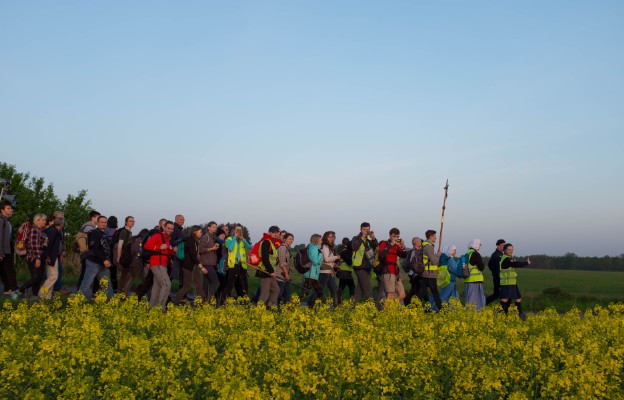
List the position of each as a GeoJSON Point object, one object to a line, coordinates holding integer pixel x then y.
{"type": "Point", "coordinates": [443, 209]}
{"type": "Point", "coordinates": [277, 279]}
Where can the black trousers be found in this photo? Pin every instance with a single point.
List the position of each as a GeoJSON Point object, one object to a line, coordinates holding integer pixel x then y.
{"type": "Point", "coordinates": [7, 273]}
{"type": "Point", "coordinates": [146, 285]}
{"type": "Point", "coordinates": [236, 278]}
{"type": "Point", "coordinates": [494, 296]}
{"type": "Point", "coordinates": [432, 285]}
{"type": "Point", "coordinates": [36, 276]}
{"type": "Point", "coordinates": [414, 289]}
{"type": "Point", "coordinates": [312, 284]}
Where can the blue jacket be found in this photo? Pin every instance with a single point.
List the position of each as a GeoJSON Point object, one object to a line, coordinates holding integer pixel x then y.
{"type": "Point", "coordinates": [453, 267]}
{"type": "Point", "coordinates": [314, 251]}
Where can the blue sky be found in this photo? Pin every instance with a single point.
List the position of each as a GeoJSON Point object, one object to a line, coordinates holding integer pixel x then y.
{"type": "Point", "coordinates": [320, 115]}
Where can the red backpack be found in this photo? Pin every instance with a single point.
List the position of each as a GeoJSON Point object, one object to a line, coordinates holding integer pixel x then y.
{"type": "Point", "coordinates": [22, 239]}
{"type": "Point", "coordinates": [254, 257]}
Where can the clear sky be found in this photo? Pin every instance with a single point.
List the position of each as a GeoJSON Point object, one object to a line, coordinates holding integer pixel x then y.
{"type": "Point", "coordinates": [318, 115]}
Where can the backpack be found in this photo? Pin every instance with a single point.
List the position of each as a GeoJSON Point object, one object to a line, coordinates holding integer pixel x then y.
{"type": "Point", "coordinates": [302, 261]}
{"type": "Point", "coordinates": [146, 254]}
{"type": "Point", "coordinates": [378, 263]}
{"type": "Point", "coordinates": [136, 250]}
{"type": "Point", "coordinates": [22, 239]}
{"type": "Point", "coordinates": [125, 258]}
{"type": "Point", "coordinates": [414, 261]}
{"type": "Point", "coordinates": [254, 256]}
{"type": "Point", "coordinates": [80, 243]}
{"type": "Point", "coordinates": [180, 251]}
{"type": "Point", "coordinates": [463, 261]}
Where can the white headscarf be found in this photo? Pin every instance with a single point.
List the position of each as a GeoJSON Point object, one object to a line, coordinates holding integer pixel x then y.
{"type": "Point", "coordinates": [475, 244]}
{"type": "Point", "coordinates": [448, 249]}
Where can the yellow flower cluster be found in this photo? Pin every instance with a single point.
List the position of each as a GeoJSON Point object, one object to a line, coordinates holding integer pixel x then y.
{"type": "Point", "coordinates": [122, 349]}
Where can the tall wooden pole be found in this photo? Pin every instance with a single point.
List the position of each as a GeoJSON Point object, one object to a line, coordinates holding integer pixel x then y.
{"type": "Point", "coordinates": [443, 209]}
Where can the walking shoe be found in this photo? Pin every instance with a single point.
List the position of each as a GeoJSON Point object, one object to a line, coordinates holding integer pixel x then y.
{"type": "Point", "coordinates": [6, 292]}
{"type": "Point", "coordinates": [65, 292]}
{"type": "Point", "coordinates": [16, 295]}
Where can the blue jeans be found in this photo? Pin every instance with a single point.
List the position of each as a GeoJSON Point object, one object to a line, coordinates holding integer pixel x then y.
{"type": "Point", "coordinates": [92, 271]}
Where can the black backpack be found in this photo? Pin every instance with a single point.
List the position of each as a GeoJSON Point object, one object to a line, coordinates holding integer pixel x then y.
{"type": "Point", "coordinates": [414, 261]}
{"type": "Point", "coordinates": [302, 261]}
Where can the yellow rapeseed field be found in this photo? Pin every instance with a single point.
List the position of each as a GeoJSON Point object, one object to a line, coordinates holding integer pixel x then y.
{"type": "Point", "coordinates": [124, 350]}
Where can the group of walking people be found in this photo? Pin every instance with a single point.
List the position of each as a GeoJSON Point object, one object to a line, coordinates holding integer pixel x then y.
{"type": "Point", "coordinates": [216, 263]}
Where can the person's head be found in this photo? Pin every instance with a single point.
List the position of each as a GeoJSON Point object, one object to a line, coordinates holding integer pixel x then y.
{"type": "Point", "coordinates": [394, 234]}
{"type": "Point", "coordinates": [288, 239]}
{"type": "Point", "coordinates": [329, 238]}
{"type": "Point", "coordinates": [59, 214]}
{"type": "Point", "coordinates": [179, 219]}
{"type": "Point", "coordinates": [211, 227]}
{"type": "Point", "coordinates": [161, 224]}
{"type": "Point", "coordinates": [129, 221]}
{"type": "Point", "coordinates": [59, 222]}
{"type": "Point", "coordinates": [364, 228]}
{"type": "Point", "coordinates": [196, 232]}
{"type": "Point", "coordinates": [282, 234]}
{"type": "Point", "coordinates": [500, 245]}
{"type": "Point", "coordinates": [220, 233]}
{"type": "Point", "coordinates": [6, 209]}
{"type": "Point", "coordinates": [101, 222]}
{"type": "Point", "coordinates": [144, 232]}
{"type": "Point", "coordinates": [475, 244]}
{"type": "Point", "coordinates": [50, 220]}
{"type": "Point", "coordinates": [417, 242]}
{"type": "Point", "coordinates": [450, 250]}
{"type": "Point", "coordinates": [431, 236]}
{"type": "Point", "coordinates": [112, 222]}
{"type": "Point", "coordinates": [225, 228]}
{"type": "Point", "coordinates": [93, 216]}
{"type": "Point", "coordinates": [238, 231]}
{"type": "Point", "coordinates": [345, 242]}
{"type": "Point", "coordinates": [168, 228]}
{"type": "Point", "coordinates": [316, 239]}
{"type": "Point", "coordinates": [508, 249]}
{"type": "Point", "coordinates": [39, 220]}
{"type": "Point", "coordinates": [274, 232]}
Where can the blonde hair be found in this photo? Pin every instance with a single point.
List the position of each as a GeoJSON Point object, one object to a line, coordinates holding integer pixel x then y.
{"type": "Point", "coordinates": [40, 216]}
{"type": "Point", "coordinates": [315, 239]}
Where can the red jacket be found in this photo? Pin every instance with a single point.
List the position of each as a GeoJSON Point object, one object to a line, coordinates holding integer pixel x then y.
{"type": "Point", "coordinates": [391, 256]}
{"type": "Point", "coordinates": [153, 244]}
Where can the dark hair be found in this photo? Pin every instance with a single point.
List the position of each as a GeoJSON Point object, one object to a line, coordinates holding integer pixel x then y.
{"type": "Point", "coordinates": [100, 217]}
{"type": "Point", "coordinates": [169, 223]}
{"type": "Point", "coordinates": [94, 213]}
{"type": "Point", "coordinates": [49, 219]}
{"type": "Point", "coordinates": [430, 233]}
{"type": "Point", "coordinates": [287, 235]}
{"type": "Point", "coordinates": [394, 231]}
{"type": "Point", "coordinates": [5, 204]}
{"type": "Point", "coordinates": [112, 222]}
{"type": "Point", "coordinates": [325, 239]}
{"type": "Point", "coordinates": [274, 229]}
{"type": "Point", "coordinates": [507, 245]}
{"type": "Point", "coordinates": [211, 223]}
{"type": "Point", "coordinates": [194, 229]}
{"type": "Point", "coordinates": [127, 218]}
{"type": "Point", "coordinates": [364, 225]}
{"type": "Point", "coordinates": [143, 232]}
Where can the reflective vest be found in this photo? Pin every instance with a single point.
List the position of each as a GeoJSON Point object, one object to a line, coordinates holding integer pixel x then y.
{"type": "Point", "coordinates": [238, 247]}
{"type": "Point", "coordinates": [358, 256]}
{"type": "Point", "coordinates": [475, 274]}
{"type": "Point", "coordinates": [444, 276]}
{"type": "Point", "coordinates": [507, 276]}
{"type": "Point", "coordinates": [272, 257]}
{"type": "Point", "coordinates": [428, 265]}
{"type": "Point", "coordinates": [344, 266]}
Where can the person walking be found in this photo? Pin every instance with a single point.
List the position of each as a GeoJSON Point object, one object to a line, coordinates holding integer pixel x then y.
{"type": "Point", "coordinates": [237, 247]}
{"type": "Point", "coordinates": [269, 289]}
{"type": "Point", "coordinates": [35, 250]}
{"type": "Point", "coordinates": [52, 254]}
{"type": "Point", "coordinates": [508, 279]}
{"type": "Point", "coordinates": [429, 277]}
{"type": "Point", "coordinates": [311, 276]}
{"type": "Point", "coordinates": [494, 266]}
{"type": "Point", "coordinates": [81, 242]}
{"type": "Point", "coordinates": [345, 272]}
{"type": "Point", "coordinates": [208, 248]}
{"type": "Point", "coordinates": [389, 252]}
{"type": "Point", "coordinates": [473, 284]}
{"type": "Point", "coordinates": [7, 268]}
{"type": "Point", "coordinates": [363, 247]}
{"type": "Point", "coordinates": [122, 253]}
{"type": "Point", "coordinates": [414, 254]}
{"type": "Point", "coordinates": [448, 272]}
{"type": "Point", "coordinates": [328, 267]}
{"type": "Point", "coordinates": [193, 270]}
{"type": "Point", "coordinates": [97, 260]}
{"type": "Point", "coordinates": [160, 244]}
{"type": "Point", "coordinates": [283, 271]}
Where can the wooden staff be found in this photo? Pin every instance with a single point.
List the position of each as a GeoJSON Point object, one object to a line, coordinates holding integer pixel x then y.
{"type": "Point", "coordinates": [443, 209]}
{"type": "Point", "coordinates": [276, 278]}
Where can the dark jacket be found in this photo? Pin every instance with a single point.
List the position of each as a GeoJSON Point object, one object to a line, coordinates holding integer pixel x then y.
{"type": "Point", "coordinates": [191, 253]}
{"type": "Point", "coordinates": [494, 263]}
{"type": "Point", "coordinates": [207, 257]}
{"type": "Point", "coordinates": [266, 250]}
{"type": "Point", "coordinates": [99, 248]}
{"type": "Point", "coordinates": [6, 231]}
{"type": "Point", "coordinates": [54, 249]}
{"type": "Point", "coordinates": [477, 260]}
{"type": "Point", "coordinates": [176, 236]}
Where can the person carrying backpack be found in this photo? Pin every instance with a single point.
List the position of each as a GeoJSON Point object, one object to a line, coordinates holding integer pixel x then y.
{"type": "Point", "coordinates": [193, 270]}
{"type": "Point", "coordinates": [473, 284]}
{"type": "Point", "coordinates": [312, 275]}
{"type": "Point", "coordinates": [413, 266]}
{"type": "Point", "coordinates": [35, 245]}
{"type": "Point", "coordinates": [284, 269]}
{"type": "Point", "coordinates": [344, 274]}
{"type": "Point", "coordinates": [429, 277]}
{"type": "Point", "coordinates": [160, 245]}
{"type": "Point", "coordinates": [448, 271]}
{"type": "Point", "coordinates": [269, 289]}
{"type": "Point", "coordinates": [122, 252]}
{"type": "Point", "coordinates": [208, 248]}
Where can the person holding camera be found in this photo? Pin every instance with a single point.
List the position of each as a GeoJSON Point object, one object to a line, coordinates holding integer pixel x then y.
{"type": "Point", "coordinates": [363, 247]}
{"type": "Point", "coordinates": [237, 248]}
{"type": "Point", "coordinates": [389, 252]}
